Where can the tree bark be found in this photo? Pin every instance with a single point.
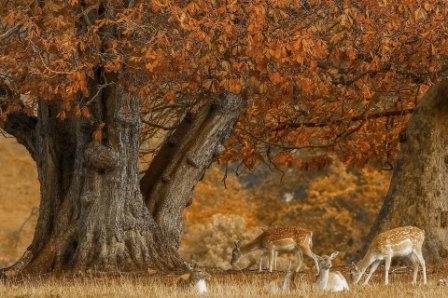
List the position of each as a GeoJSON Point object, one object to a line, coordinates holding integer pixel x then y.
{"type": "Point", "coordinates": [418, 193]}
{"type": "Point", "coordinates": [168, 184]}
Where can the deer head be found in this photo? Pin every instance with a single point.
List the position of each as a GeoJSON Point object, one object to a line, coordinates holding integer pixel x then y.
{"type": "Point", "coordinates": [355, 273]}
{"type": "Point", "coordinates": [324, 262]}
{"type": "Point", "coordinates": [236, 252]}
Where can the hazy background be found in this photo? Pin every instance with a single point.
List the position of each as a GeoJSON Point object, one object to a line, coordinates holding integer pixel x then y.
{"type": "Point", "coordinates": [337, 203]}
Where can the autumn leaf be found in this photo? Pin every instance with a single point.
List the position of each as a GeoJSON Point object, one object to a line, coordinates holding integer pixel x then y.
{"type": "Point", "coordinates": [420, 13]}
{"type": "Point", "coordinates": [98, 133]}
{"type": "Point", "coordinates": [86, 112]}
{"type": "Point", "coordinates": [275, 78]}
{"type": "Point", "coordinates": [170, 96]}
{"type": "Point", "coordinates": [61, 115]}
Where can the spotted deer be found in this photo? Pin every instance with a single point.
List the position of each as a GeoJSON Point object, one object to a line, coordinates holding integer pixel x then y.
{"type": "Point", "coordinates": [277, 240]}
{"type": "Point", "coordinates": [398, 242]}
{"type": "Point", "coordinates": [329, 281]}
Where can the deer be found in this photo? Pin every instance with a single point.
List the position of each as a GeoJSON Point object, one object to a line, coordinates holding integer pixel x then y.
{"type": "Point", "coordinates": [329, 281]}
{"type": "Point", "coordinates": [277, 240]}
{"type": "Point", "coordinates": [195, 279]}
{"type": "Point", "coordinates": [399, 242]}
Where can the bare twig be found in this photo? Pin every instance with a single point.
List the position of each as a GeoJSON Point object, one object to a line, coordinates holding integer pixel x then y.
{"type": "Point", "coordinates": [11, 31]}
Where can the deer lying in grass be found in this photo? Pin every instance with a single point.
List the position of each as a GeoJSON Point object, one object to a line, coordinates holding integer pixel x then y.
{"type": "Point", "coordinates": [329, 281]}
{"type": "Point", "coordinates": [278, 239]}
{"type": "Point", "coordinates": [195, 279]}
{"type": "Point", "coordinates": [399, 242]}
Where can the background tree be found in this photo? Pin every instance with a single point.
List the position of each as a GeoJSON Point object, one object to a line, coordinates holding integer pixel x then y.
{"type": "Point", "coordinates": [79, 77]}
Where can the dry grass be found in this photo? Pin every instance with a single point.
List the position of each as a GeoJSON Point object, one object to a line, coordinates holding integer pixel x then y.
{"type": "Point", "coordinates": [223, 284]}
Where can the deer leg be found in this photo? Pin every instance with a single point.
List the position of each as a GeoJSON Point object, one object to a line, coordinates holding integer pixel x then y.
{"type": "Point", "coordinates": [415, 262]}
{"type": "Point", "coordinates": [271, 259]}
{"type": "Point", "coordinates": [386, 269]}
{"type": "Point", "coordinates": [372, 270]}
{"type": "Point", "coordinates": [299, 257]}
{"type": "Point", "coordinates": [275, 260]}
{"type": "Point", "coordinates": [260, 263]}
{"type": "Point", "coordinates": [423, 263]}
{"type": "Point", "coordinates": [307, 251]}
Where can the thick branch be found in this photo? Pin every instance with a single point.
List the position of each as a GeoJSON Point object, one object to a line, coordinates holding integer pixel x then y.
{"type": "Point", "coordinates": [168, 184]}
{"type": "Point", "coordinates": [22, 127]}
{"type": "Point", "coordinates": [18, 124]}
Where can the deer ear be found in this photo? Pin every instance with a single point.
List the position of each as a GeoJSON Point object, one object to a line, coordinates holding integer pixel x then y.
{"type": "Point", "coordinates": [237, 244]}
{"type": "Point", "coordinates": [334, 255]}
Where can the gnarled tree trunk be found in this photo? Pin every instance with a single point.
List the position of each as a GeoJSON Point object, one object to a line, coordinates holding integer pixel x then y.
{"type": "Point", "coordinates": [92, 214]}
{"type": "Point", "coordinates": [418, 193]}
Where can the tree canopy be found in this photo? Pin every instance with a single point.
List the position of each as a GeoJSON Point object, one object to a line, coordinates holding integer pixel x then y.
{"type": "Point", "coordinates": [319, 76]}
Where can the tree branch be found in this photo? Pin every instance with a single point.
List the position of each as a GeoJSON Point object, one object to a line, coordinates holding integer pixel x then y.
{"type": "Point", "coordinates": [362, 117]}
{"type": "Point", "coordinates": [22, 127]}
{"type": "Point", "coordinates": [180, 164]}
{"type": "Point", "coordinates": [10, 31]}
{"type": "Point", "coordinates": [18, 124]}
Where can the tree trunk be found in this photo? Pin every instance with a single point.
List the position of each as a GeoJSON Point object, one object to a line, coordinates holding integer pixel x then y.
{"type": "Point", "coordinates": [92, 215]}
{"type": "Point", "coordinates": [168, 184]}
{"type": "Point", "coordinates": [418, 193]}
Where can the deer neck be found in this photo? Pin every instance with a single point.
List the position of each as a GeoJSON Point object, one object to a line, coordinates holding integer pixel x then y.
{"type": "Point", "coordinates": [251, 246]}
{"type": "Point", "coordinates": [322, 279]}
{"type": "Point", "coordinates": [365, 262]}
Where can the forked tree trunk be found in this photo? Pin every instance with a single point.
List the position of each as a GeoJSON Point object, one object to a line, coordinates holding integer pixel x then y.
{"type": "Point", "coordinates": [92, 214]}
{"type": "Point", "coordinates": [418, 193]}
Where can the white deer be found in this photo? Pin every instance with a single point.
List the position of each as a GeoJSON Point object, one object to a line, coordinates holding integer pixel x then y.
{"type": "Point", "coordinates": [195, 280]}
{"type": "Point", "coordinates": [278, 240]}
{"type": "Point", "coordinates": [398, 242]}
{"type": "Point", "coordinates": [329, 281]}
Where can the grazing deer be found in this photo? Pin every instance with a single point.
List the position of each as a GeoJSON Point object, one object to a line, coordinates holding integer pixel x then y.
{"type": "Point", "coordinates": [398, 242]}
{"type": "Point", "coordinates": [329, 281]}
{"type": "Point", "coordinates": [278, 239]}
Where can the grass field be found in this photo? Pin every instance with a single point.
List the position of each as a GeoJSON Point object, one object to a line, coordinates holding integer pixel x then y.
{"type": "Point", "coordinates": [222, 284]}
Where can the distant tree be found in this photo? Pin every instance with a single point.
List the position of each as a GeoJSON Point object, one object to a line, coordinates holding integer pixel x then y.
{"type": "Point", "coordinates": [84, 82]}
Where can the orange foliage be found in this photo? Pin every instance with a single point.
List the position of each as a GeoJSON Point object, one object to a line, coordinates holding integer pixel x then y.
{"type": "Point", "coordinates": [322, 75]}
